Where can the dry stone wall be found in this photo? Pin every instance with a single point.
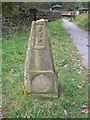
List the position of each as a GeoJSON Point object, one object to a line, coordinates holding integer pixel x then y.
{"type": "Point", "coordinates": [50, 15]}
{"type": "Point", "coordinates": [14, 24]}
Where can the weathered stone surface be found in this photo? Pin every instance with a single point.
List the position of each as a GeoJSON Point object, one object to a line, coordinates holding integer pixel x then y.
{"type": "Point", "coordinates": [39, 75]}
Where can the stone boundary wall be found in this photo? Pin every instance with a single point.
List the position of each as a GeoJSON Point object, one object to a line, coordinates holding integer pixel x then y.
{"type": "Point", "coordinates": [15, 24]}
{"type": "Point", "coordinates": [50, 15]}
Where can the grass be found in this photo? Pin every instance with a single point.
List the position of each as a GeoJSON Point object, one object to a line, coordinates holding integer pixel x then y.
{"type": "Point", "coordinates": [72, 77]}
{"type": "Point", "coordinates": [82, 21]}
{"type": "Point", "coordinates": [66, 18]}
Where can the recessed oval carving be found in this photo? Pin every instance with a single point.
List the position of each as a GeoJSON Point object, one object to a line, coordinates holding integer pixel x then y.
{"type": "Point", "coordinates": [41, 84]}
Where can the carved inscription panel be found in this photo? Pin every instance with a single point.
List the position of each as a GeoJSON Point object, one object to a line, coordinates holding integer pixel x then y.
{"type": "Point", "coordinates": [39, 42]}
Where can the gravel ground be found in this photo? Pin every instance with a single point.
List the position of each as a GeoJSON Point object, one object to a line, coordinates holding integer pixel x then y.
{"type": "Point", "coordinates": [80, 39]}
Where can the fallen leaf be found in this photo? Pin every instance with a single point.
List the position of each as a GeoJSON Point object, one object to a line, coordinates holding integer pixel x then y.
{"type": "Point", "coordinates": [60, 64]}
{"type": "Point", "coordinates": [65, 112]}
{"type": "Point", "coordinates": [84, 109]}
{"type": "Point", "coordinates": [86, 112]}
{"type": "Point", "coordinates": [68, 56]}
{"type": "Point", "coordinates": [60, 48]}
{"type": "Point", "coordinates": [65, 65]}
{"type": "Point", "coordinates": [69, 47]}
{"type": "Point", "coordinates": [81, 68]}
{"type": "Point", "coordinates": [84, 106]}
{"type": "Point", "coordinates": [12, 70]}
{"type": "Point", "coordinates": [80, 72]}
{"type": "Point", "coordinates": [50, 105]}
{"type": "Point", "coordinates": [78, 52]}
{"type": "Point", "coordinates": [11, 105]}
{"type": "Point", "coordinates": [75, 64]}
{"type": "Point", "coordinates": [15, 53]}
{"type": "Point", "coordinates": [56, 55]}
{"type": "Point", "coordinates": [11, 60]}
{"type": "Point", "coordinates": [73, 79]}
{"type": "Point", "coordinates": [66, 43]}
{"type": "Point", "coordinates": [9, 78]}
{"type": "Point", "coordinates": [79, 86]}
{"type": "Point", "coordinates": [17, 101]}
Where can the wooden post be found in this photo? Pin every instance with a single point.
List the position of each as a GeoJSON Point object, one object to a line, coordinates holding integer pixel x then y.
{"type": "Point", "coordinates": [71, 16]}
{"type": "Point", "coordinates": [74, 15]}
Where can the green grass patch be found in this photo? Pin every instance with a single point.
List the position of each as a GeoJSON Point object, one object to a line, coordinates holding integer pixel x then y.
{"type": "Point", "coordinates": [66, 18]}
{"type": "Point", "coordinates": [82, 21]}
{"type": "Point", "coordinates": [72, 77]}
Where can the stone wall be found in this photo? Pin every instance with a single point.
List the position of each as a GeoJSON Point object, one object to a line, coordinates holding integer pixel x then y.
{"type": "Point", "coordinates": [14, 24]}
{"type": "Point", "coordinates": [50, 15]}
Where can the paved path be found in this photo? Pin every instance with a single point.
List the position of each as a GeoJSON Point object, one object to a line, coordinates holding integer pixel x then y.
{"type": "Point", "coordinates": [80, 38]}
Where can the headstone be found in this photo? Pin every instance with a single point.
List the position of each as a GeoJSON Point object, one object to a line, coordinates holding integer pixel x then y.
{"type": "Point", "coordinates": [39, 75]}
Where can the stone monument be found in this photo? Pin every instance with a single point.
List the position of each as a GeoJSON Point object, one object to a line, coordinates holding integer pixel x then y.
{"type": "Point", "coordinates": [39, 75]}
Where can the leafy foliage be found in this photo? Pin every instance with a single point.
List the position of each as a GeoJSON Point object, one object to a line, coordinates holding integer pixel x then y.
{"type": "Point", "coordinates": [13, 8]}
{"type": "Point", "coordinates": [82, 21]}
{"type": "Point", "coordinates": [65, 5]}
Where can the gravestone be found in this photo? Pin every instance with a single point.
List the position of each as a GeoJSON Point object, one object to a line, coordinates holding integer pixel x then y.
{"type": "Point", "coordinates": [39, 74]}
